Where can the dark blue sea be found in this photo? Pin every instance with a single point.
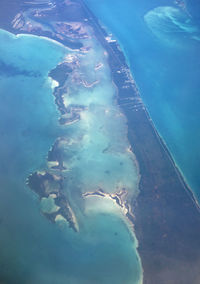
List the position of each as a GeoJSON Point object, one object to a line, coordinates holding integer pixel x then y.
{"type": "Point", "coordinates": [162, 43]}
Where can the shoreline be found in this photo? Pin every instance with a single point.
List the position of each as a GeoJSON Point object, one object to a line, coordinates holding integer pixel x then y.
{"type": "Point", "coordinates": [160, 138]}
{"type": "Point", "coordinates": [42, 183]}
{"type": "Point", "coordinates": [167, 230]}
{"type": "Point", "coordinates": [161, 221]}
{"type": "Point", "coordinates": [56, 162]}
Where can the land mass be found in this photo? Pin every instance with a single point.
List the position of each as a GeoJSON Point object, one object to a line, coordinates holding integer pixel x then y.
{"type": "Point", "coordinates": [165, 215]}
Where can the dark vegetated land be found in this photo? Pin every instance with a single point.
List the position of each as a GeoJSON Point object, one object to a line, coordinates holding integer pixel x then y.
{"type": "Point", "coordinates": [167, 218]}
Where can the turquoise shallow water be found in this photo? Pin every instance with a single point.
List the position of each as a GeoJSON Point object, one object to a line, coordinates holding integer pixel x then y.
{"type": "Point", "coordinates": [32, 249]}
{"type": "Point", "coordinates": [161, 43]}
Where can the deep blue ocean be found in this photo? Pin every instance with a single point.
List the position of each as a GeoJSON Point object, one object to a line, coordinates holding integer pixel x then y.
{"type": "Point", "coordinates": [162, 43]}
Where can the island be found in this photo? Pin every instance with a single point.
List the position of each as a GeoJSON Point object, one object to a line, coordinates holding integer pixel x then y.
{"type": "Point", "coordinates": [49, 186]}
{"type": "Point", "coordinates": [165, 215]}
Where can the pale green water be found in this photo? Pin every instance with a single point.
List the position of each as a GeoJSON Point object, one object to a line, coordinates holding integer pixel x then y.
{"type": "Point", "coordinates": [100, 138]}
{"type": "Point", "coordinates": [32, 249]}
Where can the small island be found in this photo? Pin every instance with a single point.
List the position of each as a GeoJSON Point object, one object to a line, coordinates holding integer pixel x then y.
{"type": "Point", "coordinates": [46, 186]}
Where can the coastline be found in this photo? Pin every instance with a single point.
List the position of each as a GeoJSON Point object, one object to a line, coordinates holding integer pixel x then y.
{"type": "Point", "coordinates": [48, 185]}
{"type": "Point", "coordinates": [113, 38]}
{"type": "Point", "coordinates": [152, 172]}
{"type": "Point", "coordinates": [167, 224]}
